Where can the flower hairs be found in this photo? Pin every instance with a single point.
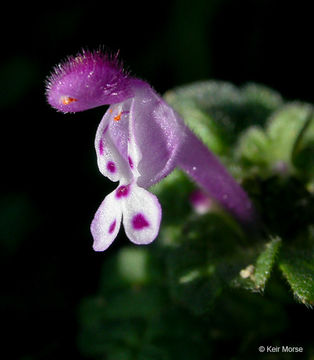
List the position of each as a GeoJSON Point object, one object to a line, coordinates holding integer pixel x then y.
{"type": "Point", "coordinates": [87, 80]}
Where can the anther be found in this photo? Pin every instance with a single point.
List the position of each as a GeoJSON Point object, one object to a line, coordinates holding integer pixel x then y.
{"type": "Point", "coordinates": [66, 100]}
{"type": "Point", "coordinates": [118, 117]}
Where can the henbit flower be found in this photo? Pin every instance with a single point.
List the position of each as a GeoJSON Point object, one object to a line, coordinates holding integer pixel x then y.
{"type": "Point", "coordinates": [139, 141]}
{"type": "Point", "coordinates": [131, 148]}
{"type": "Point", "coordinates": [201, 202]}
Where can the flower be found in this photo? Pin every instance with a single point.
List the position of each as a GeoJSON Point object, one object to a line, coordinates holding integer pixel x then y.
{"type": "Point", "coordinates": [136, 143]}
{"type": "Point", "coordinates": [133, 148]}
{"type": "Point", "coordinates": [200, 202]}
{"type": "Point", "coordinates": [139, 141]}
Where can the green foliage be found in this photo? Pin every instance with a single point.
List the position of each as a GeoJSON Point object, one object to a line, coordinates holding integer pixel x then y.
{"type": "Point", "coordinates": [218, 111]}
{"type": "Point", "coordinates": [254, 277]}
{"type": "Point", "coordinates": [270, 143]}
{"type": "Point", "coordinates": [297, 265]}
{"type": "Point", "coordinates": [265, 262]}
{"type": "Point", "coordinates": [129, 321]}
{"type": "Point", "coordinates": [277, 147]}
{"type": "Point", "coordinates": [202, 263]}
{"type": "Point", "coordinates": [201, 283]}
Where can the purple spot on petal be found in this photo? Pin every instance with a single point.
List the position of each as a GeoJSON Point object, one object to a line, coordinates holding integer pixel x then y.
{"type": "Point", "coordinates": [112, 227]}
{"type": "Point", "coordinates": [101, 148]}
{"type": "Point", "coordinates": [122, 191]}
{"type": "Point", "coordinates": [139, 222]}
{"type": "Point", "coordinates": [111, 166]}
{"type": "Point", "coordinates": [130, 162]}
{"type": "Point", "coordinates": [105, 129]}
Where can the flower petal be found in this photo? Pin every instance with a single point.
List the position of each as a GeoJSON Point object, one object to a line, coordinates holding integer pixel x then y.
{"type": "Point", "coordinates": [88, 80]}
{"type": "Point", "coordinates": [110, 158]}
{"type": "Point", "coordinates": [106, 223]}
{"type": "Point", "coordinates": [119, 126]}
{"type": "Point", "coordinates": [141, 215]}
{"type": "Point", "coordinates": [158, 132]}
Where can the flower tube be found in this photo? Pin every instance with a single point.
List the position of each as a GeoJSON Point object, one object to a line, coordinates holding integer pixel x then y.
{"type": "Point", "coordinates": [139, 141]}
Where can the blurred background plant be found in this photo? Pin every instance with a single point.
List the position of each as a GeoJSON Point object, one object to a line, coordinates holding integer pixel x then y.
{"type": "Point", "coordinates": [205, 289]}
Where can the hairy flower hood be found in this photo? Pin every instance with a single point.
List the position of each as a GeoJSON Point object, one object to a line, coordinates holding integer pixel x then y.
{"type": "Point", "coordinates": [88, 80]}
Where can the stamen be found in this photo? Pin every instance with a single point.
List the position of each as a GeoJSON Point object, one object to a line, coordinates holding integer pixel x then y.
{"type": "Point", "coordinates": [66, 100]}
{"type": "Point", "coordinates": [118, 117]}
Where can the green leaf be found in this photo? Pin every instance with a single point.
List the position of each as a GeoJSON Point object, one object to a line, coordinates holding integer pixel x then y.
{"type": "Point", "coordinates": [259, 102]}
{"type": "Point", "coordinates": [286, 143]}
{"type": "Point", "coordinates": [297, 267]}
{"type": "Point", "coordinates": [284, 204]}
{"type": "Point", "coordinates": [252, 147]}
{"type": "Point", "coordinates": [254, 276]}
{"type": "Point", "coordinates": [303, 150]}
{"type": "Point", "coordinates": [306, 135]}
{"type": "Point", "coordinates": [218, 111]}
{"type": "Point", "coordinates": [128, 321]}
{"type": "Point", "coordinates": [265, 262]}
{"type": "Point", "coordinates": [283, 129]}
{"type": "Point", "coordinates": [207, 255]}
{"type": "Point", "coordinates": [207, 108]}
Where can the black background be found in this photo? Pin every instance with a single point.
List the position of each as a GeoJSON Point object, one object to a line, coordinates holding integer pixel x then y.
{"type": "Point", "coordinates": [50, 184]}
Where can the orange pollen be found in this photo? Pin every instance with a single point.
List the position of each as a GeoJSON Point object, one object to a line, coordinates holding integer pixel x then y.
{"type": "Point", "coordinates": [66, 100]}
{"type": "Point", "coordinates": [117, 118]}
{"type": "Point", "coordinates": [110, 110]}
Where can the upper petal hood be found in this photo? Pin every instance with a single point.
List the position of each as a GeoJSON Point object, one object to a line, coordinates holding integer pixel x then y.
{"type": "Point", "coordinates": [158, 133]}
{"type": "Point", "coordinates": [88, 80]}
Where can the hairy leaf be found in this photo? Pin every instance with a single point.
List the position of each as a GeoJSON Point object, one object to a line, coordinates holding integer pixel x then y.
{"type": "Point", "coordinates": [297, 267]}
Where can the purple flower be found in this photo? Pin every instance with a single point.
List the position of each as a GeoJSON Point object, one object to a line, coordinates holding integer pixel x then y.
{"type": "Point", "coordinates": [87, 80]}
{"type": "Point", "coordinates": [200, 202]}
{"type": "Point", "coordinates": [139, 141]}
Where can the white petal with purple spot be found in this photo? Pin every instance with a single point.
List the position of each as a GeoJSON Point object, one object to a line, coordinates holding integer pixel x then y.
{"type": "Point", "coordinates": [141, 215]}
{"type": "Point", "coordinates": [106, 223]}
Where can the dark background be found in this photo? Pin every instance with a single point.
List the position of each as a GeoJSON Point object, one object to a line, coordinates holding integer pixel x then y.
{"type": "Point", "coordinates": [50, 184]}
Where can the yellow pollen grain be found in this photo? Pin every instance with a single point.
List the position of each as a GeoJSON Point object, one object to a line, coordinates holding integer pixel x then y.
{"type": "Point", "coordinates": [66, 100]}
{"type": "Point", "coordinates": [117, 118]}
